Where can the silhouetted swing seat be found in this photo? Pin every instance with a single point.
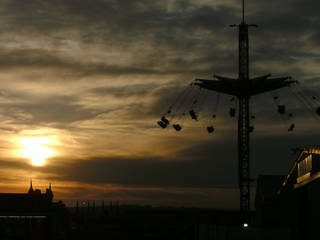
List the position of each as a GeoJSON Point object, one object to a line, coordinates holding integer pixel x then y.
{"type": "Point", "coordinates": [210, 129]}
{"type": "Point", "coordinates": [162, 124]}
{"type": "Point", "coordinates": [282, 109]}
{"type": "Point", "coordinates": [253, 117]}
{"type": "Point", "coordinates": [193, 115]}
{"type": "Point", "coordinates": [291, 128]}
{"type": "Point", "coordinates": [232, 112]}
{"type": "Point", "coordinates": [318, 111]}
{"type": "Point", "coordinates": [166, 121]}
{"type": "Point", "coordinates": [214, 116]}
{"type": "Point", "coordinates": [177, 127]}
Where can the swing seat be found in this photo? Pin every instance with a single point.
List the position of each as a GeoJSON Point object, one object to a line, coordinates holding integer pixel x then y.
{"type": "Point", "coordinates": [177, 127]}
{"type": "Point", "coordinates": [166, 121]}
{"type": "Point", "coordinates": [193, 115]}
{"type": "Point", "coordinates": [162, 124]}
{"type": "Point", "coordinates": [291, 127]}
{"type": "Point", "coordinates": [210, 129]}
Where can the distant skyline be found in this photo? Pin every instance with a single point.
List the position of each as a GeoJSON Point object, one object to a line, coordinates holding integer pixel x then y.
{"type": "Point", "coordinates": [84, 83]}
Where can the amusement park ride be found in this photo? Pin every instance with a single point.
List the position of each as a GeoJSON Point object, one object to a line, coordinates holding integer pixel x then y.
{"type": "Point", "coordinates": [243, 88]}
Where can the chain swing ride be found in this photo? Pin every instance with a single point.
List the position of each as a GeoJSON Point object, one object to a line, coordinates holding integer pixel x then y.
{"type": "Point", "coordinates": [242, 88]}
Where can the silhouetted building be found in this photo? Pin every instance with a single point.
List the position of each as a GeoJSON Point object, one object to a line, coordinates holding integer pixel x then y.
{"type": "Point", "coordinates": [291, 203]}
{"type": "Point", "coordinates": [300, 194]}
{"type": "Point", "coordinates": [266, 197]}
{"type": "Point", "coordinates": [33, 201]}
{"type": "Point", "coordinates": [33, 215]}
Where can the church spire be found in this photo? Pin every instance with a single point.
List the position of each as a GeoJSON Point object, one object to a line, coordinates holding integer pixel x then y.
{"type": "Point", "coordinates": [31, 188]}
{"type": "Point", "coordinates": [49, 193]}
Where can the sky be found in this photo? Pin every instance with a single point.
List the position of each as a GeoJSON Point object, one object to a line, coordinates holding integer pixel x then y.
{"type": "Point", "coordinates": [84, 83]}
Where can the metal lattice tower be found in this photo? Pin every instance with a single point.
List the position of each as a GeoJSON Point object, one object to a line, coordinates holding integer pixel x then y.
{"type": "Point", "coordinates": [243, 88]}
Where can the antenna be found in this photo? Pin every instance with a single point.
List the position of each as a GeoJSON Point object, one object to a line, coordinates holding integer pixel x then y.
{"type": "Point", "coordinates": [242, 10]}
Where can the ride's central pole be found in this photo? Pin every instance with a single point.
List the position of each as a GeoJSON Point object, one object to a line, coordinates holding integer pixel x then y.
{"type": "Point", "coordinates": [243, 119]}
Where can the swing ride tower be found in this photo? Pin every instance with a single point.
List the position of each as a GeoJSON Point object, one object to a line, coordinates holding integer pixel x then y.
{"type": "Point", "coordinates": [243, 88]}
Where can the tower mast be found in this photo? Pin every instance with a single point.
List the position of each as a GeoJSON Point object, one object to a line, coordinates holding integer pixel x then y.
{"type": "Point", "coordinates": [243, 117]}
{"type": "Point", "coordinates": [242, 10]}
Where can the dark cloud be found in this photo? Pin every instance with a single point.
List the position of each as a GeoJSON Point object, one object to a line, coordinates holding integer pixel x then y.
{"type": "Point", "coordinates": [14, 164]}
{"type": "Point", "coordinates": [134, 90]}
{"type": "Point", "coordinates": [43, 59]}
{"type": "Point", "coordinates": [134, 25]}
{"type": "Point", "coordinates": [207, 164]}
{"type": "Point", "coordinates": [32, 110]}
{"type": "Point", "coordinates": [51, 111]}
{"type": "Point", "coordinates": [118, 16]}
{"type": "Point", "coordinates": [198, 166]}
{"type": "Point", "coordinates": [65, 68]}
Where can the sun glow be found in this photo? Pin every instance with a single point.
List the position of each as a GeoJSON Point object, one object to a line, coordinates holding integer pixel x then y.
{"type": "Point", "coordinates": [35, 149]}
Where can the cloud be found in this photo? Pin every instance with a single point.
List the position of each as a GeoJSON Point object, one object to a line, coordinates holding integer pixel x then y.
{"type": "Point", "coordinates": [203, 165]}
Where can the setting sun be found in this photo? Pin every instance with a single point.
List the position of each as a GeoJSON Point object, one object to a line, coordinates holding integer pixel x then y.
{"type": "Point", "coordinates": [35, 149]}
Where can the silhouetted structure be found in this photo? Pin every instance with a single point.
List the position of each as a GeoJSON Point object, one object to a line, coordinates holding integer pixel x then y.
{"type": "Point", "coordinates": [300, 193]}
{"type": "Point", "coordinates": [33, 201]}
{"type": "Point", "coordinates": [243, 88]}
{"type": "Point", "coordinates": [266, 194]}
{"type": "Point", "coordinates": [290, 203]}
{"type": "Point", "coordinates": [33, 215]}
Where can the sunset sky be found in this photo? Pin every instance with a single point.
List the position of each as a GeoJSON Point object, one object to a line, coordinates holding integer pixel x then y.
{"type": "Point", "coordinates": [84, 82]}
